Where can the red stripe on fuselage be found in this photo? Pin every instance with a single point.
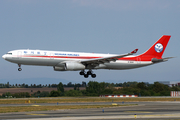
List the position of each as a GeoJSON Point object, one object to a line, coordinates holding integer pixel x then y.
{"type": "Point", "coordinates": [135, 58]}
{"type": "Point", "coordinates": [74, 57]}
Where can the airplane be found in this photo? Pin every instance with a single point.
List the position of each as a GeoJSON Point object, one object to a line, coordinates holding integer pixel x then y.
{"type": "Point", "coordinates": [79, 61]}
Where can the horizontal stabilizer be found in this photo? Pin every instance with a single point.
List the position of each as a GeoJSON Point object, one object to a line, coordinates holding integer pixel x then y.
{"type": "Point", "coordinates": [155, 60]}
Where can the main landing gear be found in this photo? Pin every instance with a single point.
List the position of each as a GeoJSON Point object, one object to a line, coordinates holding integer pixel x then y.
{"type": "Point", "coordinates": [19, 69]}
{"type": "Point", "coordinates": [86, 75]}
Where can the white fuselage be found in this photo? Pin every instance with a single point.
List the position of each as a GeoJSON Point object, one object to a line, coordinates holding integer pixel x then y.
{"type": "Point", "coordinates": [56, 58]}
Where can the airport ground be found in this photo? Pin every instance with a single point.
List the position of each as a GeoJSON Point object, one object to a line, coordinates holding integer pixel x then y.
{"type": "Point", "coordinates": [141, 108]}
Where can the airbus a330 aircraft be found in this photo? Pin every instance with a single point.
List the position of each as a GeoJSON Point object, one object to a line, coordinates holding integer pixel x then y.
{"type": "Point", "coordinates": [73, 61]}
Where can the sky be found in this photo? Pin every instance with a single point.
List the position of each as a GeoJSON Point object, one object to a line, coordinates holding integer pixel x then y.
{"type": "Point", "coordinates": [98, 26]}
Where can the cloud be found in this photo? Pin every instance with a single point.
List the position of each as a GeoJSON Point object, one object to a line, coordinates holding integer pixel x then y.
{"type": "Point", "coordinates": [129, 4]}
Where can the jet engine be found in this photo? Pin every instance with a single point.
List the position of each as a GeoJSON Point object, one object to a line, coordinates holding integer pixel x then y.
{"type": "Point", "coordinates": [71, 66]}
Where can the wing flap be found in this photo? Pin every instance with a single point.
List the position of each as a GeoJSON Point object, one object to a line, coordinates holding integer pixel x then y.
{"type": "Point", "coordinates": [107, 59]}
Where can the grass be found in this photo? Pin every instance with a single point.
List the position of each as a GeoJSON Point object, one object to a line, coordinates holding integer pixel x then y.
{"type": "Point", "coordinates": [83, 99]}
{"type": "Point", "coordinates": [70, 100]}
{"type": "Point", "coordinates": [46, 108]}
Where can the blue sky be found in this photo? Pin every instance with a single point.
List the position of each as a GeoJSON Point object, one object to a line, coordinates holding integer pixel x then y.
{"type": "Point", "coordinates": [99, 26]}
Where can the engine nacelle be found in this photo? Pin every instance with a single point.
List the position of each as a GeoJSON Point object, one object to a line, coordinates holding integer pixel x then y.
{"type": "Point", "coordinates": [71, 66]}
{"type": "Point", "coordinates": [57, 68]}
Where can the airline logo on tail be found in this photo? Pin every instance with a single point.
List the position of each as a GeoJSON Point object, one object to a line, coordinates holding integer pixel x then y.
{"type": "Point", "coordinates": [158, 47]}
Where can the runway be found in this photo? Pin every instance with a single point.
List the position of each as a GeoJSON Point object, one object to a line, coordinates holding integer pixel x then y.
{"type": "Point", "coordinates": [144, 110]}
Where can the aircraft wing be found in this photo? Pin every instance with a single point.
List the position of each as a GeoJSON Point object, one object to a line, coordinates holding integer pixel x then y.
{"type": "Point", "coordinates": [106, 59]}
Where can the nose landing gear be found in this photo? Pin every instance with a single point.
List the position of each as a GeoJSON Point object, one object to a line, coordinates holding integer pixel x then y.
{"type": "Point", "coordinates": [86, 75]}
{"type": "Point", "coordinates": [19, 69]}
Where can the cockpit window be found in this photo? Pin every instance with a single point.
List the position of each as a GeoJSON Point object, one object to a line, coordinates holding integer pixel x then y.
{"type": "Point", "coordinates": [8, 53]}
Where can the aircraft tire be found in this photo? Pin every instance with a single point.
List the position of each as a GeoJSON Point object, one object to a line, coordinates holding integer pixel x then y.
{"type": "Point", "coordinates": [19, 69]}
{"type": "Point", "coordinates": [86, 75]}
{"type": "Point", "coordinates": [81, 73]}
{"type": "Point", "coordinates": [89, 73]}
{"type": "Point", "coordinates": [93, 75]}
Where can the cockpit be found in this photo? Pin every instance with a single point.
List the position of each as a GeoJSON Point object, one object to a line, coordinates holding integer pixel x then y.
{"type": "Point", "coordinates": [5, 56]}
{"type": "Point", "coordinates": [8, 53]}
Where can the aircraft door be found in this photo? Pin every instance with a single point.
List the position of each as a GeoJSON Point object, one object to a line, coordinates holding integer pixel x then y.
{"type": "Point", "coordinates": [19, 55]}
{"type": "Point", "coordinates": [138, 60]}
{"type": "Point", "coordinates": [51, 55]}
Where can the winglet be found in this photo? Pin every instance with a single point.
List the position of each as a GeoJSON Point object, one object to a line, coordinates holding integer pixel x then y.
{"type": "Point", "coordinates": [134, 51]}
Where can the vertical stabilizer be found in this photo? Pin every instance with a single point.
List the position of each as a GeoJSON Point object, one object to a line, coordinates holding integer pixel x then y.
{"type": "Point", "coordinates": [158, 48]}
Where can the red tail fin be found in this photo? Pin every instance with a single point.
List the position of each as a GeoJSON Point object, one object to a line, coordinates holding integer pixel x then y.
{"type": "Point", "coordinates": [158, 48]}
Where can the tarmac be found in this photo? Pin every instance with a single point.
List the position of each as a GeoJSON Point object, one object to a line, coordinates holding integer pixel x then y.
{"type": "Point", "coordinates": [142, 111]}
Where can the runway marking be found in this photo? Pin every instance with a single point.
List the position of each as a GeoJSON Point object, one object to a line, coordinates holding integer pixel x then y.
{"type": "Point", "coordinates": [35, 105]}
{"type": "Point", "coordinates": [161, 115]}
{"type": "Point", "coordinates": [114, 104]}
{"type": "Point", "coordinates": [139, 111]}
{"type": "Point", "coordinates": [37, 114]}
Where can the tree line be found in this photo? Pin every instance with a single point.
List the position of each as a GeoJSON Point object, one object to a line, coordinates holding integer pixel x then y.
{"type": "Point", "coordinates": [94, 88]}
{"type": "Point", "coordinates": [40, 85]}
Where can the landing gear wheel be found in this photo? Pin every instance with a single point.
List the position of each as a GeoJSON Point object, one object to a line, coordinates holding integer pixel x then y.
{"type": "Point", "coordinates": [89, 73]}
{"type": "Point", "coordinates": [86, 75]}
{"type": "Point", "coordinates": [19, 69]}
{"type": "Point", "coordinates": [81, 73]}
{"type": "Point", "coordinates": [93, 75]}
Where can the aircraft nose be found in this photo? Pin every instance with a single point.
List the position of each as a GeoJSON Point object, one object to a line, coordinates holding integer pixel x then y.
{"type": "Point", "coordinates": [4, 57]}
